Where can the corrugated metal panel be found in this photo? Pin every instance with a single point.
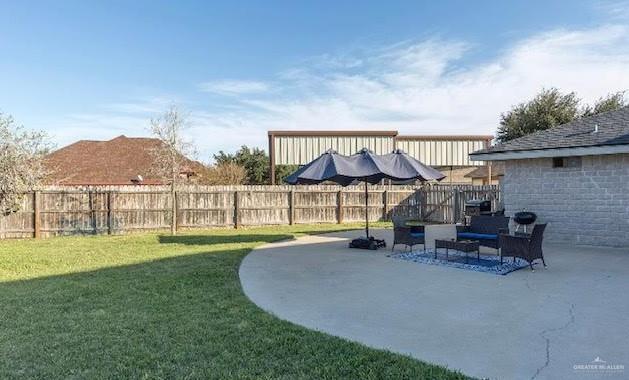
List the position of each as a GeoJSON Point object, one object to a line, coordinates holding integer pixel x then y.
{"type": "Point", "coordinates": [442, 152]}
{"type": "Point", "coordinates": [299, 150]}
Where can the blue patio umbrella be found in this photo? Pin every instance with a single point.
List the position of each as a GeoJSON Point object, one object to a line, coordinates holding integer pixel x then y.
{"type": "Point", "coordinates": [344, 170]}
{"type": "Point", "coordinates": [363, 166]}
{"type": "Point", "coordinates": [399, 166]}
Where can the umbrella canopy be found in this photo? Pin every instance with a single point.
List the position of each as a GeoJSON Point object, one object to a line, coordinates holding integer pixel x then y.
{"type": "Point", "coordinates": [363, 166]}
{"type": "Point", "coordinates": [402, 167]}
{"type": "Point", "coordinates": [334, 167]}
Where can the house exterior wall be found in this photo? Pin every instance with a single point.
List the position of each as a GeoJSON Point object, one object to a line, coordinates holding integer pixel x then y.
{"type": "Point", "coordinates": [455, 175]}
{"type": "Point", "coordinates": [586, 202]}
{"type": "Point", "coordinates": [484, 181]}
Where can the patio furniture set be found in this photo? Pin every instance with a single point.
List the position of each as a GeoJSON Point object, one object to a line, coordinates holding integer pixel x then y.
{"type": "Point", "coordinates": [484, 231]}
{"type": "Point", "coordinates": [365, 166]}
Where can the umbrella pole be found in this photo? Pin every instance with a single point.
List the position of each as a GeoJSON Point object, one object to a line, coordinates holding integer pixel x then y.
{"type": "Point", "coordinates": [366, 210]}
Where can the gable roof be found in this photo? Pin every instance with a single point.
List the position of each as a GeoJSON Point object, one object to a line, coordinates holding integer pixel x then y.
{"type": "Point", "coordinates": [114, 162]}
{"type": "Point", "coordinates": [497, 170]}
{"type": "Point", "coordinates": [607, 131]}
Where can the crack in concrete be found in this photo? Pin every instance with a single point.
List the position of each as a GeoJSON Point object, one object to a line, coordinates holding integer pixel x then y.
{"type": "Point", "coordinates": [527, 283]}
{"type": "Point", "coordinates": [547, 339]}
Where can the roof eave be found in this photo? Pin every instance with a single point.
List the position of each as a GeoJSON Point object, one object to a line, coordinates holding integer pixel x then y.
{"type": "Point", "coordinates": [444, 137]}
{"type": "Point", "coordinates": [551, 152]}
{"type": "Point", "coordinates": [334, 133]}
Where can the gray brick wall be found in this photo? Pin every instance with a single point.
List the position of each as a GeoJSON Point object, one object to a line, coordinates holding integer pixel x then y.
{"type": "Point", "coordinates": [586, 202]}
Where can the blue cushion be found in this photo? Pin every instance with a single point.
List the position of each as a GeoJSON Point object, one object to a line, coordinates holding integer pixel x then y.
{"type": "Point", "coordinates": [473, 235]}
{"type": "Point", "coordinates": [417, 234]}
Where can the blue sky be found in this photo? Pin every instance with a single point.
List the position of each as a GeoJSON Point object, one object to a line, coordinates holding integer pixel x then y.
{"type": "Point", "coordinates": [97, 69]}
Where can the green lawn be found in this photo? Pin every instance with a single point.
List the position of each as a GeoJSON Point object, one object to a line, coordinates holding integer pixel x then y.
{"type": "Point", "coordinates": [156, 306]}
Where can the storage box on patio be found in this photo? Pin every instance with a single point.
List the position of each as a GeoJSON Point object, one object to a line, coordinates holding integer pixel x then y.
{"type": "Point", "coordinates": [477, 207]}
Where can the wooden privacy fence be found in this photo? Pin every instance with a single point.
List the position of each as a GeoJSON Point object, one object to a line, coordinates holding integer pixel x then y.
{"type": "Point", "coordinates": [55, 211]}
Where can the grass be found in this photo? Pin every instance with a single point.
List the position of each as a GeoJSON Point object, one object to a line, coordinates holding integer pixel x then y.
{"type": "Point", "coordinates": [155, 306]}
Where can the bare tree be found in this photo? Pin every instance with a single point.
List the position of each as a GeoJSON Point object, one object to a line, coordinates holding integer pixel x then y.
{"type": "Point", "coordinates": [21, 162]}
{"type": "Point", "coordinates": [170, 156]}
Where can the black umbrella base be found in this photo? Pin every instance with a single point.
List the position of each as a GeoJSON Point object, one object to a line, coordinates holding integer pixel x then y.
{"type": "Point", "coordinates": [364, 243]}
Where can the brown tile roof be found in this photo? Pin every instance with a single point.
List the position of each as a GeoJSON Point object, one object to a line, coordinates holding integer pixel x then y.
{"type": "Point", "coordinates": [497, 170]}
{"type": "Point", "coordinates": [113, 162]}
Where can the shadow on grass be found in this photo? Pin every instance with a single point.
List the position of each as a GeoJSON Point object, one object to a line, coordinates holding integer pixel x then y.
{"type": "Point", "coordinates": [222, 239]}
{"type": "Point", "coordinates": [176, 317]}
{"type": "Point", "coordinates": [243, 236]}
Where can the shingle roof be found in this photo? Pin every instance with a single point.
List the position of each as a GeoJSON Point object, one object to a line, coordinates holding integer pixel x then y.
{"type": "Point", "coordinates": [613, 129]}
{"type": "Point", "coordinates": [113, 162]}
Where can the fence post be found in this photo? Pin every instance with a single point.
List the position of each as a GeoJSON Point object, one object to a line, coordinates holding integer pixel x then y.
{"type": "Point", "coordinates": [173, 211]}
{"type": "Point", "coordinates": [422, 202]}
{"type": "Point", "coordinates": [236, 211]}
{"type": "Point", "coordinates": [385, 205]}
{"type": "Point", "coordinates": [36, 216]}
{"type": "Point", "coordinates": [90, 197]}
{"type": "Point", "coordinates": [226, 208]}
{"type": "Point", "coordinates": [176, 211]}
{"type": "Point", "coordinates": [110, 203]}
{"type": "Point", "coordinates": [339, 206]}
{"type": "Point", "coordinates": [456, 206]}
{"type": "Point", "coordinates": [291, 207]}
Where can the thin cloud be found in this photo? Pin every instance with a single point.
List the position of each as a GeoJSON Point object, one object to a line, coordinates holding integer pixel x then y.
{"type": "Point", "coordinates": [422, 87]}
{"type": "Point", "coordinates": [233, 87]}
{"type": "Point", "coordinates": [617, 10]}
{"type": "Point", "coordinates": [152, 105]}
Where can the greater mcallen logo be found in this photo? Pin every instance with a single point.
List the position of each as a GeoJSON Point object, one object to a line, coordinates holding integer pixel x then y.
{"type": "Point", "coordinates": [599, 365]}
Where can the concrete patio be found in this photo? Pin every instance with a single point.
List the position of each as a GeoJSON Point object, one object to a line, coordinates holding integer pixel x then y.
{"type": "Point", "coordinates": [523, 325]}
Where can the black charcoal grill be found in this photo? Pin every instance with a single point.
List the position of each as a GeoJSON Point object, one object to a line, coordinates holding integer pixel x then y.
{"type": "Point", "coordinates": [476, 207]}
{"type": "Point", "coordinates": [524, 219]}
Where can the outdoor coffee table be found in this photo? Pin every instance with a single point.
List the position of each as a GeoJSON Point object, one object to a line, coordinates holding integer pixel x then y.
{"type": "Point", "coordinates": [461, 245]}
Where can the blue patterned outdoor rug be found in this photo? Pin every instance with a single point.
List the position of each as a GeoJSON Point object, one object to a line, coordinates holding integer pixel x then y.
{"type": "Point", "coordinates": [456, 259]}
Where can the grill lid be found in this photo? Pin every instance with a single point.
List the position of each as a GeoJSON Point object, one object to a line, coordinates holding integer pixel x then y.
{"type": "Point", "coordinates": [525, 217]}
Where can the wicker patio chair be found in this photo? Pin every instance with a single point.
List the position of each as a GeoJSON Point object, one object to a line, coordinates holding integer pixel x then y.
{"type": "Point", "coordinates": [527, 247]}
{"type": "Point", "coordinates": [402, 234]}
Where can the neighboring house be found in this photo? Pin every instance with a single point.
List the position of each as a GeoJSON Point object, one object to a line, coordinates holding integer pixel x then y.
{"type": "Point", "coordinates": [449, 154]}
{"type": "Point", "coordinates": [480, 175]}
{"type": "Point", "coordinates": [120, 161]}
{"type": "Point", "coordinates": [574, 176]}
